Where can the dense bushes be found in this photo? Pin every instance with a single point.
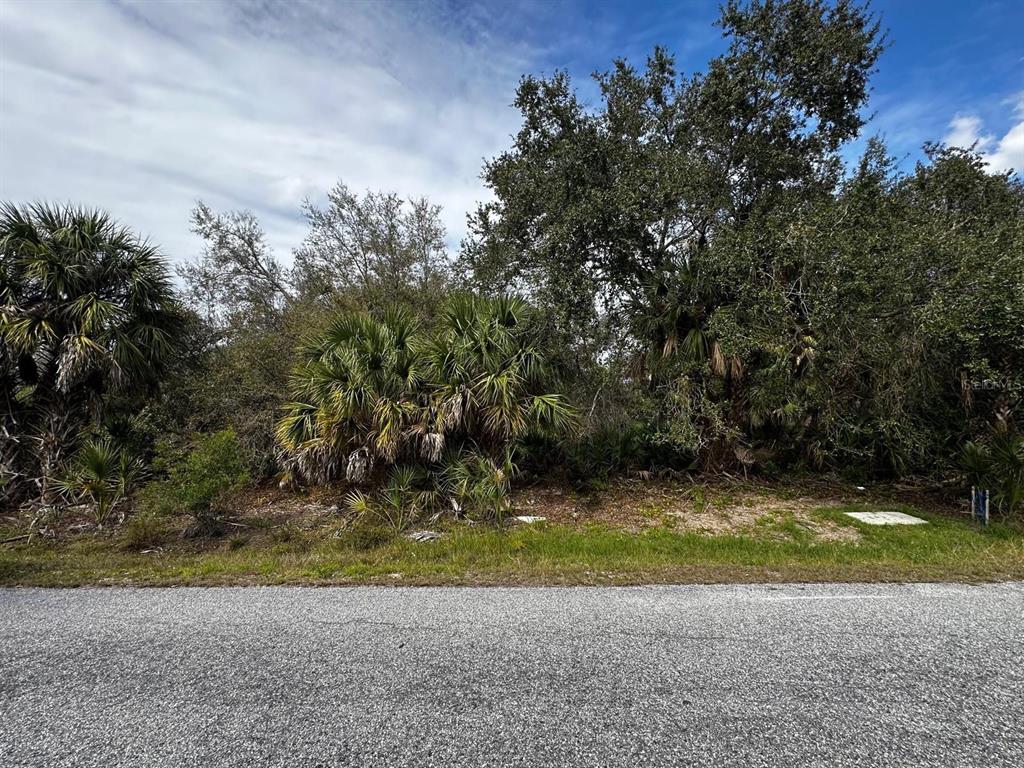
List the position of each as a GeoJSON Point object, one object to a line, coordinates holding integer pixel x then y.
{"type": "Point", "coordinates": [434, 415]}
{"type": "Point", "coordinates": [776, 310]}
{"type": "Point", "coordinates": [714, 288]}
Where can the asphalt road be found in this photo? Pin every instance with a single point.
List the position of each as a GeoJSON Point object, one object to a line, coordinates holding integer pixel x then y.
{"type": "Point", "coordinates": [649, 676]}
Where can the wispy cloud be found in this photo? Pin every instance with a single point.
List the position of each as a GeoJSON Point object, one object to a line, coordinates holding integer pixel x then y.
{"type": "Point", "coordinates": [1004, 153]}
{"type": "Point", "coordinates": [142, 108]}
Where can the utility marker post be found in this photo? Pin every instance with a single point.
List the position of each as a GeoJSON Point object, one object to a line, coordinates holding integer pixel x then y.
{"type": "Point", "coordinates": [979, 505]}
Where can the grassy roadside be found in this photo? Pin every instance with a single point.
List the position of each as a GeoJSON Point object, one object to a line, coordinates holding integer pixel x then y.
{"type": "Point", "coordinates": [778, 547]}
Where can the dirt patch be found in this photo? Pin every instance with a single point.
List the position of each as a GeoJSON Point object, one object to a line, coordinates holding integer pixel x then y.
{"type": "Point", "coordinates": [636, 506]}
{"type": "Point", "coordinates": [769, 509]}
{"type": "Point", "coordinates": [307, 510]}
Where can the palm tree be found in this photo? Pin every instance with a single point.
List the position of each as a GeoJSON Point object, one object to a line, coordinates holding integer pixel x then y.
{"type": "Point", "coordinates": [356, 395]}
{"type": "Point", "coordinates": [489, 375]}
{"type": "Point", "coordinates": [375, 393]}
{"type": "Point", "coordinates": [86, 311]}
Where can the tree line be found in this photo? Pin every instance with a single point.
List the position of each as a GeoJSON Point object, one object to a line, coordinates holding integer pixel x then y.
{"type": "Point", "coordinates": [685, 276]}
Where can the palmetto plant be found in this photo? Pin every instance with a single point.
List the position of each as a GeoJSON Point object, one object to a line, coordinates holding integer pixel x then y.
{"type": "Point", "coordinates": [375, 392]}
{"type": "Point", "coordinates": [101, 476]}
{"type": "Point", "coordinates": [86, 310]}
{"type": "Point", "coordinates": [403, 497]}
{"type": "Point", "coordinates": [356, 395]}
{"type": "Point", "coordinates": [998, 465]}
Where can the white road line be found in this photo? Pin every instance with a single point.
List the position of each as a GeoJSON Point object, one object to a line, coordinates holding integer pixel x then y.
{"type": "Point", "coordinates": [777, 598]}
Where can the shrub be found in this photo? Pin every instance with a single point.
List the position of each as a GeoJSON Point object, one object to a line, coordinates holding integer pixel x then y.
{"type": "Point", "coordinates": [100, 476]}
{"type": "Point", "coordinates": [401, 499]}
{"type": "Point", "coordinates": [215, 467]}
{"type": "Point", "coordinates": [612, 450]}
{"type": "Point", "coordinates": [198, 483]}
{"type": "Point", "coordinates": [998, 466]}
{"type": "Point", "coordinates": [431, 420]}
{"type": "Point", "coordinates": [143, 531]}
{"type": "Point", "coordinates": [368, 534]}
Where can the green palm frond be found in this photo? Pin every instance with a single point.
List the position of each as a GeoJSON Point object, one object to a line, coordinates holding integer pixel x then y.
{"type": "Point", "coordinates": [100, 476]}
{"type": "Point", "coordinates": [454, 402]}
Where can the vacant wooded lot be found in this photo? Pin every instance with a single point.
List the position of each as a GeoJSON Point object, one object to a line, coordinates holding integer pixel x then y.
{"type": "Point", "coordinates": [689, 328]}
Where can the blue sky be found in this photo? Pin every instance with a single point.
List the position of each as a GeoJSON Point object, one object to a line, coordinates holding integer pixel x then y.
{"type": "Point", "coordinates": [143, 108]}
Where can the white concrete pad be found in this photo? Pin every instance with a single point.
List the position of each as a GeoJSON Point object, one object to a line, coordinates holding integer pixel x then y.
{"type": "Point", "coordinates": [886, 518]}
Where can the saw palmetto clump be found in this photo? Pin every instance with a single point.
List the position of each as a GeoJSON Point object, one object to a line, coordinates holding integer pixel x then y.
{"type": "Point", "coordinates": [431, 418]}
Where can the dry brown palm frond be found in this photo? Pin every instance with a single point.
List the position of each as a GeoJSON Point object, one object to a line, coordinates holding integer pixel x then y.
{"type": "Point", "coordinates": [358, 466]}
{"type": "Point", "coordinates": [432, 446]}
{"type": "Point", "coordinates": [637, 367]}
{"type": "Point", "coordinates": [736, 367]}
{"type": "Point", "coordinates": [77, 353]}
{"type": "Point", "coordinates": [670, 346]}
{"type": "Point", "coordinates": [717, 360]}
{"type": "Point", "coordinates": [454, 409]}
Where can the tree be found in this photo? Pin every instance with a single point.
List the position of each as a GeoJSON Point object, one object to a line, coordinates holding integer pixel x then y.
{"type": "Point", "coordinates": [253, 311]}
{"type": "Point", "coordinates": [87, 314]}
{"type": "Point", "coordinates": [607, 215]}
{"type": "Point", "coordinates": [914, 289]}
{"type": "Point", "coordinates": [645, 218]}
{"type": "Point", "coordinates": [360, 251]}
{"type": "Point", "coordinates": [378, 247]}
{"type": "Point", "coordinates": [237, 280]}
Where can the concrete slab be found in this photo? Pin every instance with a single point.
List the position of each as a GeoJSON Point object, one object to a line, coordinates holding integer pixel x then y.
{"type": "Point", "coordinates": [886, 518]}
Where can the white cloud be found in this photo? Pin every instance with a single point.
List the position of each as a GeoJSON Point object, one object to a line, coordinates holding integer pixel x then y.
{"type": "Point", "coordinates": [143, 108]}
{"type": "Point", "coordinates": [1005, 153]}
{"type": "Point", "coordinates": [1009, 152]}
{"type": "Point", "coordinates": [965, 132]}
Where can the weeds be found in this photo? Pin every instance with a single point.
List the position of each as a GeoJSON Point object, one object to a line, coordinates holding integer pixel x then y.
{"type": "Point", "coordinates": [776, 548]}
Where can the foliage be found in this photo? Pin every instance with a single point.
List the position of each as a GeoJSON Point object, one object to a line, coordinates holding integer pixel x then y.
{"type": "Point", "coordinates": [101, 476]}
{"type": "Point", "coordinates": [698, 235]}
{"type": "Point", "coordinates": [366, 251]}
{"type": "Point", "coordinates": [87, 315]}
{"type": "Point", "coordinates": [617, 449]}
{"type": "Point", "coordinates": [373, 393]}
{"type": "Point", "coordinates": [705, 275]}
{"type": "Point", "coordinates": [200, 482]}
{"type": "Point", "coordinates": [608, 215]}
{"type": "Point", "coordinates": [237, 275]}
{"type": "Point", "coordinates": [914, 294]}
{"type": "Point", "coordinates": [402, 498]}
{"type": "Point", "coordinates": [377, 247]}
{"type": "Point", "coordinates": [239, 384]}
{"type": "Point", "coordinates": [998, 466]}
{"type": "Point", "coordinates": [143, 531]}
{"type": "Point", "coordinates": [250, 312]}
{"type": "Point", "coordinates": [478, 483]}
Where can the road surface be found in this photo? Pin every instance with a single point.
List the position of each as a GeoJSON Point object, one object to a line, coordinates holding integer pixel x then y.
{"type": "Point", "coordinates": [848, 675]}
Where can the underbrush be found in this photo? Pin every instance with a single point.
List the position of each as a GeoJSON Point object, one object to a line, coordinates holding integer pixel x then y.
{"type": "Point", "coordinates": [777, 536]}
